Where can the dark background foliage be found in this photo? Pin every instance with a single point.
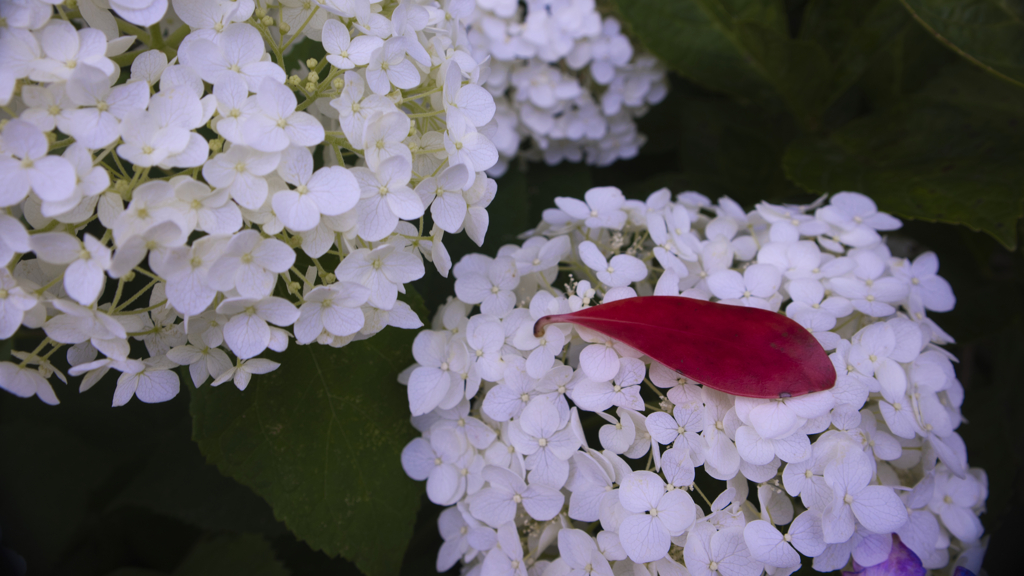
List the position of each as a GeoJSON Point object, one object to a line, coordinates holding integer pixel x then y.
{"type": "Point", "coordinates": [918, 103]}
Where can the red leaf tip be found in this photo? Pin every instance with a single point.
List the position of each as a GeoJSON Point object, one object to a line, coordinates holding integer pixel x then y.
{"type": "Point", "coordinates": [538, 328]}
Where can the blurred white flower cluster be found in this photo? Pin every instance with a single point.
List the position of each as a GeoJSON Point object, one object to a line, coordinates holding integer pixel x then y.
{"type": "Point", "coordinates": [571, 453]}
{"type": "Point", "coordinates": [566, 80]}
{"type": "Point", "coordinates": [164, 200]}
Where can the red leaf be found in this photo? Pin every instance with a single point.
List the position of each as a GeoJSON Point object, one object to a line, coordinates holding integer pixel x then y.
{"type": "Point", "coordinates": [734, 349]}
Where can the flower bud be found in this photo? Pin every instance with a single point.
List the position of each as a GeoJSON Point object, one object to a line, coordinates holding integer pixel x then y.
{"type": "Point", "coordinates": [311, 63]}
{"type": "Point", "coordinates": [121, 188]}
{"type": "Point", "coordinates": [283, 27]}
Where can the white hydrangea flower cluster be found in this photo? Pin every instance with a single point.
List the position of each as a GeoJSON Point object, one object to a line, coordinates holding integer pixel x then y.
{"type": "Point", "coordinates": [566, 80]}
{"type": "Point", "coordinates": [204, 162]}
{"type": "Point", "coordinates": [574, 454]}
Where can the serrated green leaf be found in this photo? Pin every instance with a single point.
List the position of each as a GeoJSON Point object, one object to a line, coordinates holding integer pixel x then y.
{"type": "Point", "coordinates": [319, 439]}
{"type": "Point", "coordinates": [952, 154]}
{"type": "Point", "coordinates": [988, 33]}
{"type": "Point", "coordinates": [247, 554]}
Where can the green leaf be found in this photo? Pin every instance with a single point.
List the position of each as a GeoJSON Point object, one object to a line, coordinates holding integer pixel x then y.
{"type": "Point", "coordinates": [711, 144]}
{"type": "Point", "coordinates": [319, 439]}
{"type": "Point", "coordinates": [910, 62]}
{"type": "Point", "coordinates": [699, 39]}
{"type": "Point", "coordinates": [745, 48]}
{"type": "Point", "coordinates": [247, 554]}
{"type": "Point", "coordinates": [177, 482]}
{"type": "Point", "coordinates": [988, 33]}
{"type": "Point", "coordinates": [853, 33]}
{"type": "Point", "coordinates": [950, 154]}
{"type": "Point", "coordinates": [728, 149]}
{"type": "Point", "coordinates": [63, 464]}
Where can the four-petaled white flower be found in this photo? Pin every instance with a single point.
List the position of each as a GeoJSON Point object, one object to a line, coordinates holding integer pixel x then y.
{"type": "Point", "coordinates": [757, 287]}
{"type": "Point", "coordinates": [536, 434]}
{"type": "Point", "coordinates": [87, 262]}
{"type": "Point", "coordinates": [330, 191]}
{"type": "Point", "coordinates": [334, 308]}
{"type": "Point", "coordinates": [383, 270]}
{"type": "Point", "coordinates": [655, 516]}
{"type": "Point", "coordinates": [345, 52]}
{"type": "Point", "coordinates": [388, 66]}
{"type": "Point", "coordinates": [496, 504]}
{"type": "Point", "coordinates": [487, 282]}
{"type": "Point", "coordinates": [26, 166]}
{"type": "Point", "coordinates": [877, 508]}
{"type": "Point", "coordinates": [439, 380]}
{"type": "Point", "coordinates": [275, 124]}
{"type": "Point", "coordinates": [237, 50]}
{"type": "Point", "coordinates": [248, 333]}
{"type": "Point", "coordinates": [386, 198]}
{"type": "Point", "coordinates": [621, 270]}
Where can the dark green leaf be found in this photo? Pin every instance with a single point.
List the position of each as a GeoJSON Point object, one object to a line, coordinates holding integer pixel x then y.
{"type": "Point", "coordinates": [909, 63]}
{"type": "Point", "coordinates": [301, 51]}
{"type": "Point", "coordinates": [246, 554]}
{"type": "Point", "coordinates": [63, 464]}
{"type": "Point", "coordinates": [951, 154]}
{"type": "Point", "coordinates": [728, 149]}
{"type": "Point", "coordinates": [852, 33]}
{"type": "Point", "coordinates": [128, 538]}
{"type": "Point", "coordinates": [698, 39]}
{"type": "Point", "coordinates": [177, 482]}
{"type": "Point", "coordinates": [988, 33]}
{"type": "Point", "coordinates": [545, 183]}
{"type": "Point", "coordinates": [744, 48]}
{"type": "Point", "coordinates": [319, 439]}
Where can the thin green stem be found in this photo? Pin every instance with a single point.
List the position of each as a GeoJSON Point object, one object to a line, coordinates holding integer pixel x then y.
{"type": "Point", "coordinates": [174, 40]}
{"type": "Point", "coordinates": [156, 36]}
{"type": "Point", "coordinates": [426, 114]}
{"type": "Point", "coordinates": [106, 151]}
{"type": "Point", "coordinates": [117, 293]}
{"type": "Point", "coordinates": [145, 272]}
{"type": "Point", "coordinates": [301, 28]}
{"type": "Point", "coordinates": [49, 353]}
{"type": "Point", "coordinates": [35, 353]}
{"type": "Point", "coordinates": [655, 388]}
{"type": "Point", "coordinates": [421, 94]}
{"type": "Point", "coordinates": [50, 284]}
{"type": "Point", "coordinates": [120, 167]}
{"type": "Point", "coordinates": [697, 488]}
{"type": "Point", "coordinates": [127, 58]}
{"type": "Point", "coordinates": [159, 304]}
{"type": "Point", "coordinates": [136, 296]}
{"type": "Point", "coordinates": [61, 144]}
{"type": "Point", "coordinates": [132, 29]}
